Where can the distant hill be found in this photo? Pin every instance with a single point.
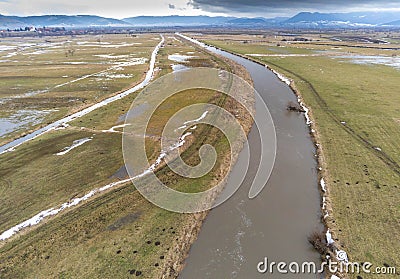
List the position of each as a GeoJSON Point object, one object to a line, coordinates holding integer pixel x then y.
{"type": "Point", "coordinates": [355, 19]}
{"type": "Point", "coordinates": [301, 20]}
{"type": "Point", "coordinates": [311, 17]}
{"type": "Point", "coordinates": [393, 23]}
{"type": "Point", "coordinates": [375, 18]}
{"type": "Point", "coordinates": [10, 22]}
{"type": "Point", "coordinates": [58, 21]}
{"type": "Point", "coordinates": [176, 20]}
{"type": "Point", "coordinates": [246, 21]}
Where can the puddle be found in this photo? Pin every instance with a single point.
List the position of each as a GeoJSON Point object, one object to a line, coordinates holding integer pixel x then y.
{"type": "Point", "coordinates": [179, 67]}
{"type": "Point", "coordinates": [21, 119]}
{"type": "Point", "coordinates": [31, 94]}
{"type": "Point", "coordinates": [179, 57]}
{"type": "Point", "coordinates": [111, 56]}
{"type": "Point", "coordinates": [280, 49]}
{"type": "Point", "coordinates": [121, 173]}
{"type": "Point", "coordinates": [369, 60]}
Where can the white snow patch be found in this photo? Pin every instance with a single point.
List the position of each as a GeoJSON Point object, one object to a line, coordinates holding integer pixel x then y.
{"type": "Point", "coordinates": [198, 119]}
{"type": "Point", "coordinates": [323, 185]}
{"type": "Point", "coordinates": [87, 43]}
{"type": "Point", "coordinates": [120, 45]}
{"type": "Point", "coordinates": [11, 54]}
{"type": "Point", "coordinates": [110, 56]}
{"type": "Point", "coordinates": [306, 114]}
{"type": "Point", "coordinates": [109, 76]}
{"type": "Point", "coordinates": [75, 63]}
{"type": "Point", "coordinates": [181, 127]}
{"type": "Point", "coordinates": [179, 57]}
{"type": "Point", "coordinates": [281, 77]}
{"type": "Point", "coordinates": [178, 67]}
{"type": "Point", "coordinates": [38, 52]}
{"type": "Point", "coordinates": [62, 126]}
{"type": "Point", "coordinates": [35, 220]}
{"type": "Point", "coordinates": [51, 212]}
{"type": "Point", "coordinates": [133, 62]}
{"type": "Point", "coordinates": [329, 238]}
{"type": "Point", "coordinates": [74, 145]}
{"type": "Point", "coordinates": [4, 48]}
{"type": "Point", "coordinates": [112, 130]}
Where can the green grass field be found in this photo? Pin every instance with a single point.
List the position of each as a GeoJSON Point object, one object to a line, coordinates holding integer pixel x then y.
{"type": "Point", "coordinates": [357, 116]}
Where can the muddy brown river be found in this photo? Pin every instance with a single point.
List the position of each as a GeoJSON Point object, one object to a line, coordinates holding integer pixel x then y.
{"type": "Point", "coordinates": [240, 233]}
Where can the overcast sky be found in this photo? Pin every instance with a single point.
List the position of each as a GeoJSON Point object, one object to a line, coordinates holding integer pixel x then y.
{"type": "Point", "coordinates": [127, 8]}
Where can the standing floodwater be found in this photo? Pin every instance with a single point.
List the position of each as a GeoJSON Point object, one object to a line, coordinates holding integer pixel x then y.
{"type": "Point", "coordinates": [240, 233]}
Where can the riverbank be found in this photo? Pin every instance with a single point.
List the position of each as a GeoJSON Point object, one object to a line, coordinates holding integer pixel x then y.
{"type": "Point", "coordinates": [355, 114]}
{"type": "Point", "coordinates": [326, 206]}
{"type": "Point", "coordinates": [176, 259]}
{"type": "Point", "coordinates": [246, 236]}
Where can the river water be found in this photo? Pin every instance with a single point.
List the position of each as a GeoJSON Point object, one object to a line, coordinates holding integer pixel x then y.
{"type": "Point", "coordinates": [240, 233]}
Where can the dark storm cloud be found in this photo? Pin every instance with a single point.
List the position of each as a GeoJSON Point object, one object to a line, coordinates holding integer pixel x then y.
{"type": "Point", "coordinates": [171, 6]}
{"type": "Point", "coordinates": [284, 6]}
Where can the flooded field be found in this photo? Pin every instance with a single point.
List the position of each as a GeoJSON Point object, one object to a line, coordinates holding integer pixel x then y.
{"type": "Point", "coordinates": [58, 76]}
{"type": "Point", "coordinates": [371, 60]}
{"type": "Point", "coordinates": [21, 120]}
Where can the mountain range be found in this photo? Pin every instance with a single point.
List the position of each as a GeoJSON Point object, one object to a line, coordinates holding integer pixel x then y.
{"type": "Point", "coordinates": [301, 20]}
{"type": "Point", "coordinates": [13, 22]}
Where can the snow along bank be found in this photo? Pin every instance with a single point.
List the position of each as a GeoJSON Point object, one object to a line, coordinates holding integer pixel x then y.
{"type": "Point", "coordinates": [74, 145]}
{"type": "Point", "coordinates": [38, 218]}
